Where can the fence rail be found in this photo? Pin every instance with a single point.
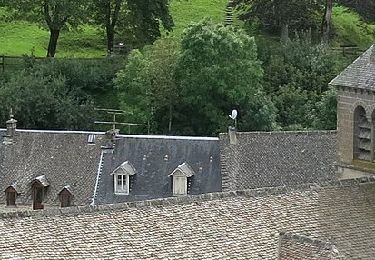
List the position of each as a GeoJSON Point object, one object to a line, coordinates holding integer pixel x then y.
{"type": "Point", "coordinates": [12, 62]}
{"type": "Point", "coordinates": [349, 50]}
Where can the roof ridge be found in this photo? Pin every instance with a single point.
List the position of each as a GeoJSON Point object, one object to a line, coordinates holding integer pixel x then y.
{"type": "Point", "coordinates": [75, 210]}
{"type": "Point", "coordinates": [306, 132]}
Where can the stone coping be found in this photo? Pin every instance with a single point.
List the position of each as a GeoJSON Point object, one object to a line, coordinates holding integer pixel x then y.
{"type": "Point", "coordinates": [300, 132]}
{"type": "Point", "coordinates": [358, 167]}
{"type": "Point", "coordinates": [187, 199]}
{"type": "Point", "coordinates": [306, 239]}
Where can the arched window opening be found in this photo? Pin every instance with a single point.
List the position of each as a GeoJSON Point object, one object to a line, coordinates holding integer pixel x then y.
{"type": "Point", "coordinates": [362, 136]}
{"type": "Point", "coordinates": [11, 195]}
{"type": "Point", "coordinates": [66, 197]}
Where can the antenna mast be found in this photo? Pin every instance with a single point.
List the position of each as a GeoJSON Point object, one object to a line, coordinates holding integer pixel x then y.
{"type": "Point", "coordinates": [114, 113]}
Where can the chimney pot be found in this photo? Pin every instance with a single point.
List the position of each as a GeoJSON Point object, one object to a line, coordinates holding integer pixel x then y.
{"type": "Point", "coordinates": [11, 126]}
{"type": "Point", "coordinates": [232, 132]}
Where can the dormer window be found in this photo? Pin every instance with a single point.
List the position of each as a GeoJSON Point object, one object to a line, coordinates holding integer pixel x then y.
{"type": "Point", "coordinates": [11, 195]}
{"type": "Point", "coordinates": [122, 178]}
{"type": "Point", "coordinates": [91, 139]}
{"type": "Point", "coordinates": [66, 197]}
{"type": "Point", "coordinates": [181, 179]}
{"type": "Point", "coordinates": [39, 187]}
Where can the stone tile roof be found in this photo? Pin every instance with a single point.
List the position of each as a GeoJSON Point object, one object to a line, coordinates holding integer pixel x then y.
{"type": "Point", "coordinates": [232, 225]}
{"type": "Point", "coordinates": [300, 247]}
{"type": "Point", "coordinates": [154, 158]}
{"type": "Point", "coordinates": [360, 74]}
{"type": "Point", "coordinates": [62, 157]}
{"type": "Point", "coordinates": [268, 159]}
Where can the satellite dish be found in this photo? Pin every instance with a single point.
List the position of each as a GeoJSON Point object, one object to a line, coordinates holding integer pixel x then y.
{"type": "Point", "coordinates": [234, 114]}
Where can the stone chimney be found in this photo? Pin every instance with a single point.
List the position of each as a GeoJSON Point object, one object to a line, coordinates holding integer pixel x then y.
{"type": "Point", "coordinates": [11, 129]}
{"type": "Point", "coordinates": [110, 137]}
{"type": "Point", "coordinates": [232, 133]}
{"type": "Point", "coordinates": [372, 54]}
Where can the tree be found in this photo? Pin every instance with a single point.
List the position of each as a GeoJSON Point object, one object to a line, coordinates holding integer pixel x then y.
{"type": "Point", "coordinates": [43, 102]}
{"type": "Point", "coordinates": [217, 71]}
{"type": "Point", "coordinates": [326, 23]}
{"type": "Point", "coordinates": [148, 86]}
{"type": "Point", "coordinates": [140, 18]}
{"type": "Point", "coordinates": [297, 76]}
{"type": "Point", "coordinates": [107, 13]}
{"type": "Point", "coordinates": [325, 114]}
{"type": "Point", "coordinates": [55, 14]}
{"type": "Point", "coordinates": [366, 8]}
{"type": "Point", "coordinates": [280, 15]}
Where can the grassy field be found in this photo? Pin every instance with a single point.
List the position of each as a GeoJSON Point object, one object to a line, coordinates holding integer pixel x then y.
{"type": "Point", "coordinates": [18, 38]}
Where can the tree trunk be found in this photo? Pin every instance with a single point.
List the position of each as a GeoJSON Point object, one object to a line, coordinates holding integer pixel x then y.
{"type": "Point", "coordinates": [110, 38]}
{"type": "Point", "coordinates": [284, 37]}
{"type": "Point", "coordinates": [170, 118]}
{"type": "Point", "coordinates": [326, 23]}
{"type": "Point", "coordinates": [54, 36]}
{"type": "Point", "coordinates": [111, 18]}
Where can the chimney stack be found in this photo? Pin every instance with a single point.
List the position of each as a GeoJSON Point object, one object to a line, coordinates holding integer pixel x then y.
{"type": "Point", "coordinates": [372, 54]}
{"type": "Point", "coordinates": [11, 125]}
{"type": "Point", "coordinates": [232, 132]}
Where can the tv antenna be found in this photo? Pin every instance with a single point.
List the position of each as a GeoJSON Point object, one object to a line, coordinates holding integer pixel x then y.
{"type": "Point", "coordinates": [233, 116]}
{"type": "Point", "coordinates": [114, 113]}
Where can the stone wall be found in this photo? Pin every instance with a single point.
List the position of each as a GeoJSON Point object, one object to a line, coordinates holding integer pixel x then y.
{"type": "Point", "coordinates": [347, 100]}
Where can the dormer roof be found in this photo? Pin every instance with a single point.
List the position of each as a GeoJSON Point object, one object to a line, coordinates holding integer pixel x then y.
{"type": "Point", "coordinates": [183, 169]}
{"type": "Point", "coordinates": [67, 188]}
{"type": "Point", "coordinates": [13, 186]}
{"type": "Point", "coordinates": [360, 74]}
{"type": "Point", "coordinates": [124, 169]}
{"type": "Point", "coordinates": [42, 180]}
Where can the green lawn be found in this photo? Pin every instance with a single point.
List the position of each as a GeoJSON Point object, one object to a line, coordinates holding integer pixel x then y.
{"type": "Point", "coordinates": [18, 38]}
{"type": "Point", "coordinates": [185, 12]}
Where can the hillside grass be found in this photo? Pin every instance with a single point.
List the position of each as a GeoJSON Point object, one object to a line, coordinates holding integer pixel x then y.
{"type": "Point", "coordinates": [19, 37]}
{"type": "Point", "coordinates": [185, 12]}
{"type": "Point", "coordinates": [351, 29]}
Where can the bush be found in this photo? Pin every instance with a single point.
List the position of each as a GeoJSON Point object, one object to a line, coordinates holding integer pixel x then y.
{"type": "Point", "coordinates": [40, 101]}
{"type": "Point", "coordinates": [297, 76]}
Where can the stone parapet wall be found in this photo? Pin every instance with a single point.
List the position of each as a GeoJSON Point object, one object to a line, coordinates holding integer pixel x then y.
{"type": "Point", "coordinates": [188, 199]}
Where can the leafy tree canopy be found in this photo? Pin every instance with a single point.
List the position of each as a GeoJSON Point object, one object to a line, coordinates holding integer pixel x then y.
{"type": "Point", "coordinates": [219, 70]}
{"type": "Point", "coordinates": [273, 14]}
{"type": "Point", "coordinates": [43, 102]}
{"type": "Point", "coordinates": [147, 84]}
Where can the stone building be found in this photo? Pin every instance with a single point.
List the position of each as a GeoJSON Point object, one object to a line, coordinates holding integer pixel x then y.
{"type": "Point", "coordinates": [356, 117]}
{"type": "Point", "coordinates": [272, 159]}
{"type": "Point", "coordinates": [44, 169]}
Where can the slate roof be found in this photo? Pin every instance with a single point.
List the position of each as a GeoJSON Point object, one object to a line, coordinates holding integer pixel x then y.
{"type": "Point", "coordinates": [300, 247]}
{"type": "Point", "coordinates": [62, 157]}
{"type": "Point", "coordinates": [154, 158]}
{"type": "Point", "coordinates": [360, 74]}
{"type": "Point", "coordinates": [232, 225]}
{"type": "Point", "coordinates": [268, 159]}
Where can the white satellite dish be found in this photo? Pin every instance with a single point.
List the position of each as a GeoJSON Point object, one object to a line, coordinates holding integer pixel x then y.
{"type": "Point", "coordinates": [234, 114]}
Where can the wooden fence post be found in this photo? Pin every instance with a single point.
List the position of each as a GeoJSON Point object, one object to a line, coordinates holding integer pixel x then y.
{"type": "Point", "coordinates": [3, 62]}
